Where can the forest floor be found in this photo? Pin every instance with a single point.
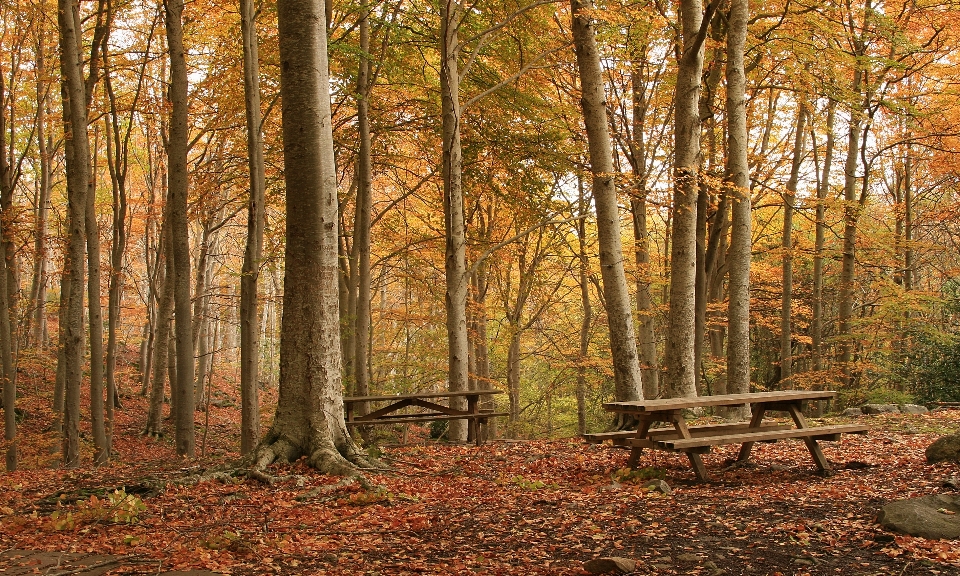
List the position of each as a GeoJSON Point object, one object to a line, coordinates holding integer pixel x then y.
{"type": "Point", "coordinates": [505, 508]}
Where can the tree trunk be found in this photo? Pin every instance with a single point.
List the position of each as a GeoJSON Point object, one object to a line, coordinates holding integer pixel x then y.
{"type": "Point", "coordinates": [38, 293]}
{"type": "Point", "coordinates": [95, 318]}
{"type": "Point", "coordinates": [250, 275]}
{"type": "Point", "coordinates": [179, 231]}
{"type": "Point", "coordinates": [738, 189]}
{"type": "Point", "coordinates": [623, 340]}
{"type": "Point", "coordinates": [823, 188]}
{"type": "Point", "coordinates": [587, 319]}
{"type": "Point", "coordinates": [6, 335]}
{"type": "Point", "coordinates": [455, 259]}
{"type": "Point", "coordinates": [680, 360]}
{"type": "Point", "coordinates": [851, 214]}
{"type": "Point", "coordinates": [309, 420]}
{"type": "Point", "coordinates": [77, 152]}
{"type": "Point", "coordinates": [789, 195]}
{"type": "Point", "coordinates": [361, 229]}
{"type": "Point", "coordinates": [161, 338]}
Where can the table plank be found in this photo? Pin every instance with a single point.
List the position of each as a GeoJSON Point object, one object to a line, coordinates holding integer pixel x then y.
{"type": "Point", "coordinates": [664, 404]}
{"type": "Point", "coordinates": [385, 397]}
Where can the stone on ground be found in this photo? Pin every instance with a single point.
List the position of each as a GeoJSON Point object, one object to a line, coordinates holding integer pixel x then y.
{"type": "Point", "coordinates": [934, 517]}
{"type": "Point", "coordinates": [945, 449]}
{"type": "Point", "coordinates": [610, 564]}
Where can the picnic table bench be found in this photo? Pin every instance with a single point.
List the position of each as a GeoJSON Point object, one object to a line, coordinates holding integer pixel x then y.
{"type": "Point", "coordinates": [394, 411]}
{"type": "Point", "coordinates": [696, 440]}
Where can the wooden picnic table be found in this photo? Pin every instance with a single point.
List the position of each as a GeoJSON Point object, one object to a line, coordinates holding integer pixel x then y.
{"type": "Point", "coordinates": [393, 412]}
{"type": "Point", "coordinates": [695, 440]}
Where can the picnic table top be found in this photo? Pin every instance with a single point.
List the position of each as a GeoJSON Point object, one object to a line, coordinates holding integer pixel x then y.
{"type": "Point", "coordinates": [421, 395]}
{"type": "Point", "coordinates": [663, 404]}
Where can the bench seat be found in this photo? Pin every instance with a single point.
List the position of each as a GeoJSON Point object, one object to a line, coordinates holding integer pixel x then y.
{"type": "Point", "coordinates": [817, 433]}
{"type": "Point", "coordinates": [622, 437]}
{"type": "Point", "coordinates": [415, 418]}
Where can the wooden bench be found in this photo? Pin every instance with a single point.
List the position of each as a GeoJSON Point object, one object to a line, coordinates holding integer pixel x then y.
{"type": "Point", "coordinates": [695, 440]}
{"type": "Point", "coordinates": [394, 411]}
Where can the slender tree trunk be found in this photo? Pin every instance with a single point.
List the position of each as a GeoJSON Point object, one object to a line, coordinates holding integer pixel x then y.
{"type": "Point", "coordinates": [95, 318]}
{"type": "Point", "coordinates": [179, 231]}
{"type": "Point", "coordinates": [455, 259]}
{"type": "Point", "coordinates": [647, 329]}
{"type": "Point", "coordinates": [680, 359]}
{"type": "Point", "coordinates": [623, 340]}
{"type": "Point", "coordinates": [38, 293]}
{"type": "Point", "coordinates": [908, 273]}
{"type": "Point", "coordinates": [823, 188]}
{"type": "Point", "coordinates": [309, 420]}
{"type": "Point", "coordinates": [161, 338]}
{"type": "Point", "coordinates": [587, 319]}
{"type": "Point", "coordinates": [361, 229]}
{"type": "Point", "coordinates": [7, 380]}
{"type": "Point", "coordinates": [249, 309]}
{"type": "Point", "coordinates": [851, 214]}
{"type": "Point", "coordinates": [738, 189]}
{"type": "Point", "coordinates": [789, 195]}
{"type": "Point", "coordinates": [78, 177]}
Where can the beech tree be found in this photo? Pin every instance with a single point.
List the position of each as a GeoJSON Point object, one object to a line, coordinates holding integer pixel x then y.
{"type": "Point", "coordinates": [309, 420]}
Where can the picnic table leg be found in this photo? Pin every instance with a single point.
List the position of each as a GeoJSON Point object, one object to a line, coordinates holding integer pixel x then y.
{"type": "Point", "coordinates": [746, 447]}
{"type": "Point", "coordinates": [642, 430]}
{"type": "Point", "coordinates": [818, 458]}
{"type": "Point", "coordinates": [695, 460]}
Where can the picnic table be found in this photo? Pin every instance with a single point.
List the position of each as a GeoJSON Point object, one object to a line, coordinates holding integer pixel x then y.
{"type": "Point", "coordinates": [394, 412]}
{"type": "Point", "coordinates": [696, 440]}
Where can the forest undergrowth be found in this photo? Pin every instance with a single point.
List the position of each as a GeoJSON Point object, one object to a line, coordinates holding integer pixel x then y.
{"type": "Point", "coordinates": [505, 508]}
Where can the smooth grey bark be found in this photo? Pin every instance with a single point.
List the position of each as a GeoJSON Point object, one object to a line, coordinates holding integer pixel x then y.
{"type": "Point", "coordinates": [823, 188]}
{"type": "Point", "coordinates": [681, 330]}
{"type": "Point", "coordinates": [177, 183]}
{"type": "Point", "coordinates": [309, 420]}
{"type": "Point", "coordinates": [908, 272]}
{"type": "Point", "coordinates": [77, 152]}
{"type": "Point", "coordinates": [738, 189]}
{"type": "Point", "coordinates": [250, 274]}
{"type": "Point", "coordinates": [786, 302]}
{"type": "Point", "coordinates": [623, 340]}
{"type": "Point", "coordinates": [455, 253]}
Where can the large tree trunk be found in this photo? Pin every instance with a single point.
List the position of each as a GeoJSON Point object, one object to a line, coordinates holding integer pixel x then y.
{"type": "Point", "coordinates": [823, 188]}
{"type": "Point", "coordinates": [309, 419]}
{"type": "Point", "coordinates": [77, 151]}
{"type": "Point", "coordinates": [851, 215]}
{"type": "Point", "coordinates": [680, 352]}
{"type": "Point", "coordinates": [455, 259]}
{"type": "Point", "coordinates": [179, 231]}
{"type": "Point", "coordinates": [249, 309]}
{"type": "Point", "coordinates": [789, 195]}
{"type": "Point", "coordinates": [623, 340]}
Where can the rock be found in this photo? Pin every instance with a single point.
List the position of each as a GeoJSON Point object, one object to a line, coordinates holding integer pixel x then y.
{"type": "Point", "coordinates": [933, 517]}
{"type": "Point", "coordinates": [913, 409]}
{"type": "Point", "coordinates": [688, 558]}
{"type": "Point", "coordinates": [803, 561]}
{"type": "Point", "coordinates": [658, 486]}
{"type": "Point", "coordinates": [610, 564]}
{"type": "Point", "coordinates": [852, 412]}
{"type": "Point", "coordinates": [952, 482]}
{"type": "Point", "coordinates": [880, 408]}
{"type": "Point", "coordinates": [945, 449]}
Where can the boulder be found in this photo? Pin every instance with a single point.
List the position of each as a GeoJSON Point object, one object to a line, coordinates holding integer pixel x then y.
{"type": "Point", "coordinates": [853, 412]}
{"type": "Point", "coordinates": [880, 408]}
{"type": "Point", "coordinates": [945, 449]}
{"type": "Point", "coordinates": [610, 564]}
{"type": "Point", "coordinates": [913, 409]}
{"type": "Point", "coordinates": [934, 517]}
